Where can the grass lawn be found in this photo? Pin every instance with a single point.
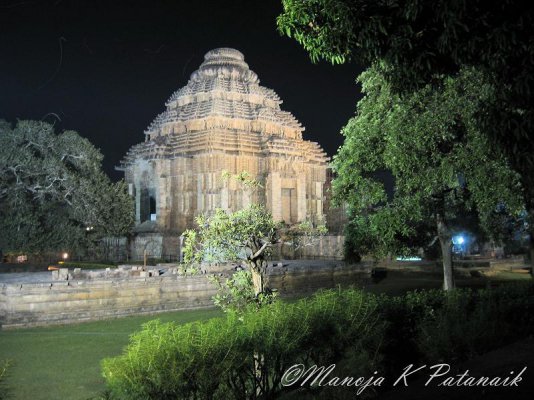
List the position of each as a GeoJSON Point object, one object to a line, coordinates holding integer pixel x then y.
{"type": "Point", "coordinates": [63, 362]}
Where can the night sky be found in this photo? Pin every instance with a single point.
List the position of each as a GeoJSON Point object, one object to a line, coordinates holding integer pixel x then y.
{"type": "Point", "coordinates": [106, 68]}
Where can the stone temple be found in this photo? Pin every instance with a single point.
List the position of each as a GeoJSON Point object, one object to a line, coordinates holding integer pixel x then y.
{"type": "Point", "coordinates": [222, 120]}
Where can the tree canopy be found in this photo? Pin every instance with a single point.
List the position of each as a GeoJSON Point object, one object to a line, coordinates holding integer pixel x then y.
{"type": "Point", "coordinates": [441, 161]}
{"type": "Point", "coordinates": [417, 42]}
{"type": "Point", "coordinates": [417, 38]}
{"type": "Point", "coordinates": [246, 235]}
{"type": "Point", "coordinates": [53, 193]}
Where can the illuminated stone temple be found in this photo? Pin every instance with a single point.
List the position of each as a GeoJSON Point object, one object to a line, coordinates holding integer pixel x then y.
{"type": "Point", "coordinates": [222, 120]}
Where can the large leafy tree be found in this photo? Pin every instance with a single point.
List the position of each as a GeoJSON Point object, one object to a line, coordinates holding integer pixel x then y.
{"type": "Point", "coordinates": [416, 42]}
{"type": "Point", "coordinates": [442, 163]}
{"type": "Point", "coordinates": [53, 192]}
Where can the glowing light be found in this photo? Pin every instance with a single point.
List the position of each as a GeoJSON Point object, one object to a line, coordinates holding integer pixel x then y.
{"type": "Point", "coordinates": [460, 240]}
{"type": "Point", "coordinates": [65, 256]}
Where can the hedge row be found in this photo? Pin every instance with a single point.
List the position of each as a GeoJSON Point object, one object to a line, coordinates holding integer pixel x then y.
{"type": "Point", "coordinates": [238, 358]}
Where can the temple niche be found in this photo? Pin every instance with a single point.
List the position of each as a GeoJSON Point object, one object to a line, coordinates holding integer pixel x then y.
{"type": "Point", "coordinates": [222, 120]}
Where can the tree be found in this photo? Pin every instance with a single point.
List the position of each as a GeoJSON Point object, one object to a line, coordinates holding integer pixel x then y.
{"type": "Point", "coordinates": [442, 163]}
{"type": "Point", "coordinates": [53, 192]}
{"type": "Point", "coordinates": [246, 235]}
{"type": "Point", "coordinates": [417, 42]}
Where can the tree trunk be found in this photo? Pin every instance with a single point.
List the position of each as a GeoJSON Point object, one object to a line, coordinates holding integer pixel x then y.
{"type": "Point", "coordinates": [445, 241]}
{"type": "Point", "coordinates": [257, 268]}
{"type": "Point", "coordinates": [258, 275]}
{"type": "Point", "coordinates": [129, 240]}
{"type": "Point", "coordinates": [531, 250]}
{"type": "Point", "coordinates": [530, 222]}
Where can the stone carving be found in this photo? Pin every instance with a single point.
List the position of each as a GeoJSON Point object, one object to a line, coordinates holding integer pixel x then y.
{"type": "Point", "coordinates": [223, 119]}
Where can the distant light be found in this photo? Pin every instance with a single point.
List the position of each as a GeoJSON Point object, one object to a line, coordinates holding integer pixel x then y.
{"type": "Point", "coordinates": [459, 240]}
{"type": "Point", "coordinates": [65, 256]}
{"type": "Point", "coordinates": [409, 258]}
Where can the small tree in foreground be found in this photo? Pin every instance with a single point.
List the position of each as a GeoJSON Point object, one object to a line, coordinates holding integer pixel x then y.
{"type": "Point", "coordinates": [246, 235]}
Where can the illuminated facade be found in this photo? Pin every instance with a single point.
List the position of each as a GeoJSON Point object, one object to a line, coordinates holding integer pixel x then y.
{"type": "Point", "coordinates": [223, 120]}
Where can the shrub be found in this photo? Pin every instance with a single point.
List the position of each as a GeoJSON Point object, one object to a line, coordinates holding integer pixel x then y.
{"type": "Point", "coordinates": [231, 358]}
{"type": "Point", "coordinates": [243, 355]}
{"type": "Point", "coordinates": [468, 323]}
{"type": "Point", "coordinates": [434, 325]}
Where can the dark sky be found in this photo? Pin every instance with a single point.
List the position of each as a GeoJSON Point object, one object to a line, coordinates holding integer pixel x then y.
{"type": "Point", "coordinates": [106, 68]}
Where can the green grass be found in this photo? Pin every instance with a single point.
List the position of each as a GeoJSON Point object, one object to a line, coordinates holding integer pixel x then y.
{"type": "Point", "coordinates": [63, 362]}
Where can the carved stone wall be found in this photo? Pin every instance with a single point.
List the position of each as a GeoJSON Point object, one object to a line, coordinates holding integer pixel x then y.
{"type": "Point", "coordinates": [223, 120]}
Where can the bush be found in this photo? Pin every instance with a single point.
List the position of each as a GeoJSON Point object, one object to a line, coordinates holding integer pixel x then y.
{"type": "Point", "coordinates": [222, 358]}
{"type": "Point", "coordinates": [360, 333]}
{"type": "Point", "coordinates": [432, 326]}
{"type": "Point", "coordinates": [469, 323]}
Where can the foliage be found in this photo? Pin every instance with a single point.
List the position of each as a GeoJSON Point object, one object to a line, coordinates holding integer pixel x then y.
{"type": "Point", "coordinates": [417, 43]}
{"type": "Point", "coordinates": [246, 235]}
{"type": "Point", "coordinates": [461, 324]}
{"type": "Point", "coordinates": [244, 179]}
{"type": "Point", "coordinates": [444, 167]}
{"type": "Point", "coordinates": [236, 294]}
{"type": "Point", "coordinates": [4, 389]}
{"type": "Point", "coordinates": [38, 355]}
{"type": "Point", "coordinates": [217, 359]}
{"type": "Point", "coordinates": [53, 193]}
{"type": "Point", "coordinates": [231, 236]}
{"type": "Point", "coordinates": [470, 323]}
{"type": "Point", "coordinates": [416, 38]}
{"type": "Point", "coordinates": [357, 331]}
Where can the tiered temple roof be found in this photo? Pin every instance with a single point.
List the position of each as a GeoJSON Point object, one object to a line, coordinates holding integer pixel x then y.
{"type": "Point", "coordinates": [223, 108]}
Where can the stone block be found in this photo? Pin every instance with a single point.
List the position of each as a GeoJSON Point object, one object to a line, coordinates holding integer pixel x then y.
{"type": "Point", "coordinates": [63, 274]}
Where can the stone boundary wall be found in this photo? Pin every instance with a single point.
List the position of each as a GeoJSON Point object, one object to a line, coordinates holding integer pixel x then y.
{"type": "Point", "coordinates": [61, 302]}
{"type": "Point", "coordinates": [328, 247]}
{"type": "Point", "coordinates": [157, 245]}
